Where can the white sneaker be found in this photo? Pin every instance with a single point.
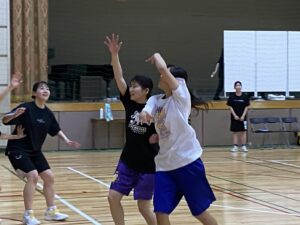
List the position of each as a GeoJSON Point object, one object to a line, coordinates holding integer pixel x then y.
{"type": "Point", "coordinates": [244, 148]}
{"type": "Point", "coordinates": [234, 149]}
{"type": "Point", "coordinates": [54, 214]}
{"type": "Point", "coordinates": [29, 219]}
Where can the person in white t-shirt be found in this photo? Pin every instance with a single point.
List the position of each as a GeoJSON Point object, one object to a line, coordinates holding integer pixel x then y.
{"type": "Point", "coordinates": [179, 169]}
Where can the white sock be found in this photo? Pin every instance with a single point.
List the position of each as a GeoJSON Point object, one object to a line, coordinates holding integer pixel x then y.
{"type": "Point", "coordinates": [52, 207]}
{"type": "Point", "coordinates": [27, 212]}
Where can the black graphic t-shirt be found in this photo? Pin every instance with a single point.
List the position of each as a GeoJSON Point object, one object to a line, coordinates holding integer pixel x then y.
{"type": "Point", "coordinates": [137, 153]}
{"type": "Point", "coordinates": [37, 123]}
{"type": "Point", "coordinates": [238, 103]}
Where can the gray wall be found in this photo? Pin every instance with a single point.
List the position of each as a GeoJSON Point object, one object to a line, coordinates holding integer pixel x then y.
{"type": "Point", "coordinates": [187, 33]}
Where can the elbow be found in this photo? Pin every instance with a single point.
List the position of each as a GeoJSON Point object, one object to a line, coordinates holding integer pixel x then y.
{"type": "Point", "coordinates": [4, 121]}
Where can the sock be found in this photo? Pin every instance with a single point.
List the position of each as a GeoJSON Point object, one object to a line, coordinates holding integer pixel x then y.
{"type": "Point", "coordinates": [52, 207]}
{"type": "Point", "coordinates": [28, 211]}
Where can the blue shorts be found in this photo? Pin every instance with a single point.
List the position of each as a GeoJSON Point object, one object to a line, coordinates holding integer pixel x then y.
{"type": "Point", "coordinates": [188, 181]}
{"type": "Point", "coordinates": [128, 179]}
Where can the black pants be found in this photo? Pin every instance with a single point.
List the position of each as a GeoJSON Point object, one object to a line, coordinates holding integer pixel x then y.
{"type": "Point", "coordinates": [220, 87]}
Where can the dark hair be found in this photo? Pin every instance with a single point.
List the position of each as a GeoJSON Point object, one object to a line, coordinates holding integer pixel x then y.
{"type": "Point", "coordinates": [144, 81]}
{"type": "Point", "coordinates": [196, 101]}
{"type": "Point", "coordinates": [37, 85]}
{"type": "Point", "coordinates": [237, 82]}
{"type": "Point", "coordinates": [179, 72]}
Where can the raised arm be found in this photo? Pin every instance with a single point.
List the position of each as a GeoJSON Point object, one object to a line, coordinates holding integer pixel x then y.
{"type": "Point", "coordinates": [165, 74]}
{"type": "Point", "coordinates": [12, 115]}
{"type": "Point", "coordinates": [114, 46]}
{"type": "Point", "coordinates": [14, 83]}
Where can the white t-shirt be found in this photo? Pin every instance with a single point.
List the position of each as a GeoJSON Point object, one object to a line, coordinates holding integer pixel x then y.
{"type": "Point", "coordinates": [177, 139]}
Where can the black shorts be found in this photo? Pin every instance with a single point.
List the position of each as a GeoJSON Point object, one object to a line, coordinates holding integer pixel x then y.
{"type": "Point", "coordinates": [26, 163]}
{"type": "Point", "coordinates": [237, 126]}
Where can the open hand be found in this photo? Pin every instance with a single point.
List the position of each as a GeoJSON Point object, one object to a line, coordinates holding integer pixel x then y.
{"type": "Point", "coordinates": [113, 43]}
{"type": "Point", "coordinates": [73, 144]}
{"type": "Point", "coordinates": [16, 80]}
{"type": "Point", "coordinates": [20, 132]}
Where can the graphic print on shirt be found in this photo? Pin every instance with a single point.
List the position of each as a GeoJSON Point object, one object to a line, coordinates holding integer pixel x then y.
{"type": "Point", "coordinates": [160, 118]}
{"type": "Point", "coordinates": [41, 120]}
{"type": "Point", "coordinates": [239, 100]}
{"type": "Point", "coordinates": [134, 124]}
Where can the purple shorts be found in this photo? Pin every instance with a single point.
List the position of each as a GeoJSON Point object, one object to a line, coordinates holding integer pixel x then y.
{"type": "Point", "coordinates": [128, 179]}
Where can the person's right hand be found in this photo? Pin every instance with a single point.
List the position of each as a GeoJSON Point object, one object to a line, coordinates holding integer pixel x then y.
{"type": "Point", "coordinates": [16, 80]}
{"type": "Point", "coordinates": [236, 117]}
{"type": "Point", "coordinates": [113, 43]}
{"type": "Point", "coordinates": [213, 74]}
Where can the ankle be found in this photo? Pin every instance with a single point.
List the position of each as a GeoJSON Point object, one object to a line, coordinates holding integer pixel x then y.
{"type": "Point", "coordinates": [52, 207]}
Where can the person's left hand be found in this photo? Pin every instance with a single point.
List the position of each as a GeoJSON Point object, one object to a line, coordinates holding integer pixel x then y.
{"type": "Point", "coordinates": [20, 132]}
{"type": "Point", "coordinates": [73, 144]}
{"type": "Point", "coordinates": [145, 118]}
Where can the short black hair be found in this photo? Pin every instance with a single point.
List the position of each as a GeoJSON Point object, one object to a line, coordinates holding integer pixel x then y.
{"type": "Point", "coordinates": [237, 82]}
{"type": "Point", "coordinates": [37, 85]}
{"type": "Point", "coordinates": [144, 81]}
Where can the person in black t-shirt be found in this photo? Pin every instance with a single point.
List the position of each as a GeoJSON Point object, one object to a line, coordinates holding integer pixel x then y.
{"type": "Point", "coordinates": [220, 69]}
{"type": "Point", "coordinates": [239, 104]}
{"type": "Point", "coordinates": [26, 155]}
{"type": "Point", "coordinates": [136, 167]}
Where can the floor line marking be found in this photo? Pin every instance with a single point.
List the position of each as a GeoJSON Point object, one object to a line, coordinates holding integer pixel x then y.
{"type": "Point", "coordinates": [283, 163]}
{"type": "Point", "coordinates": [90, 177]}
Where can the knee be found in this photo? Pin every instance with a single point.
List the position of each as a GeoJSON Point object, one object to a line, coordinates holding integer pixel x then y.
{"type": "Point", "coordinates": [48, 179]}
{"type": "Point", "coordinates": [113, 198]}
{"type": "Point", "coordinates": [32, 177]}
{"type": "Point", "coordinates": [144, 207]}
{"type": "Point", "coordinates": [162, 218]}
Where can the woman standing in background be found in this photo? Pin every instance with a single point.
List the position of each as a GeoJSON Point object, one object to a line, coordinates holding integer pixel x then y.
{"type": "Point", "coordinates": [238, 103]}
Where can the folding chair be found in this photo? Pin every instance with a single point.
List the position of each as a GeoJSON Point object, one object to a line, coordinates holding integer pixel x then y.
{"type": "Point", "coordinates": [289, 125]}
{"type": "Point", "coordinates": [274, 125]}
{"type": "Point", "coordinates": [258, 126]}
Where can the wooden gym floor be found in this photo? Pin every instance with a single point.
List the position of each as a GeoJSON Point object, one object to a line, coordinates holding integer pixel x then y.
{"type": "Point", "coordinates": [258, 188]}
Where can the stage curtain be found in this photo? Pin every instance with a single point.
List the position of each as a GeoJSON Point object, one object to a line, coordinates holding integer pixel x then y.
{"type": "Point", "coordinates": [29, 44]}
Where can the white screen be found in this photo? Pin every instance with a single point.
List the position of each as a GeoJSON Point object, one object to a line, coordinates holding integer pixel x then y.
{"type": "Point", "coordinates": [271, 59]}
{"type": "Point", "coordinates": [239, 59]}
{"type": "Point", "coordinates": [294, 61]}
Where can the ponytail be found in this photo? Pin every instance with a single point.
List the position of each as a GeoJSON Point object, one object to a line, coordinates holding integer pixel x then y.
{"type": "Point", "coordinates": [198, 102]}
